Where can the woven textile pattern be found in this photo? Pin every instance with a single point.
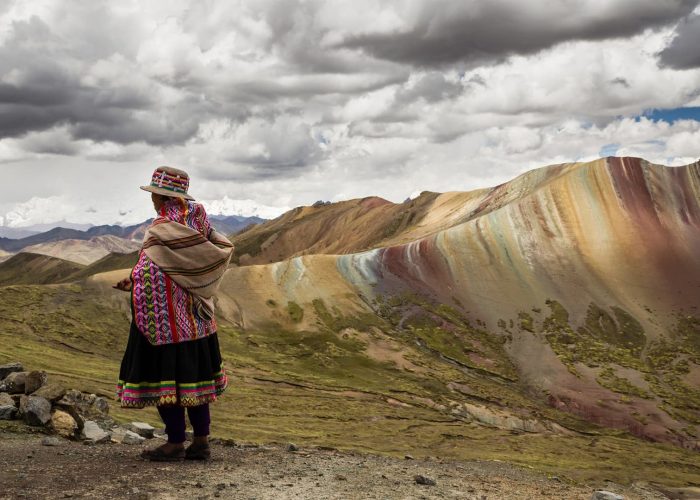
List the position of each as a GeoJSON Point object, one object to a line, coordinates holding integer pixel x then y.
{"type": "Point", "coordinates": [139, 395]}
{"type": "Point", "coordinates": [163, 311]}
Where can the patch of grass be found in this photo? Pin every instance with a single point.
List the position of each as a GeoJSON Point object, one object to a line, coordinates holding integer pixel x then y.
{"type": "Point", "coordinates": [336, 322]}
{"type": "Point", "coordinates": [590, 344]}
{"type": "Point", "coordinates": [295, 311]}
{"type": "Point", "coordinates": [446, 331]}
{"type": "Point", "coordinates": [526, 322]}
{"type": "Point", "coordinates": [607, 378]}
{"type": "Point", "coordinates": [606, 340]}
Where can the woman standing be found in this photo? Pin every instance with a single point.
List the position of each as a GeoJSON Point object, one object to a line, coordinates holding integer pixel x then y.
{"type": "Point", "coordinates": [172, 359]}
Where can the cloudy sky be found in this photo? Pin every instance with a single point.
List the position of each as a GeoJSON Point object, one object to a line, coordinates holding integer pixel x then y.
{"type": "Point", "coordinates": [270, 104]}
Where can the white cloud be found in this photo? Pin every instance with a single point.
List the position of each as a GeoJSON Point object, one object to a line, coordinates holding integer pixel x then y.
{"type": "Point", "coordinates": [266, 101]}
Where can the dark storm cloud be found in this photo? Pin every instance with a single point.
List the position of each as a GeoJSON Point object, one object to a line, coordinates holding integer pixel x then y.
{"type": "Point", "coordinates": [684, 50]}
{"type": "Point", "coordinates": [474, 32]}
{"type": "Point", "coordinates": [44, 88]}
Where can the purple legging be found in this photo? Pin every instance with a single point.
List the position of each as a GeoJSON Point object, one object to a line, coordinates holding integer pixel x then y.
{"type": "Point", "coordinates": [174, 420]}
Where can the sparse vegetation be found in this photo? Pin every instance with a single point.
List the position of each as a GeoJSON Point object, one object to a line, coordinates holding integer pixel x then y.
{"type": "Point", "coordinates": [526, 322]}
{"type": "Point", "coordinates": [296, 313]}
{"type": "Point", "coordinates": [608, 378]}
{"type": "Point", "coordinates": [322, 388]}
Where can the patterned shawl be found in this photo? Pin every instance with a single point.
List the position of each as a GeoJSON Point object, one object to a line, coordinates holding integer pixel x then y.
{"type": "Point", "coordinates": [180, 266]}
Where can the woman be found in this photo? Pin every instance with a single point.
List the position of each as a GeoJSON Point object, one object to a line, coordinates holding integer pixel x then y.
{"type": "Point", "coordinates": [172, 359]}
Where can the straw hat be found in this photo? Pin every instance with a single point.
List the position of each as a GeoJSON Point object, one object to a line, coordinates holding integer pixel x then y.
{"type": "Point", "coordinates": [169, 181]}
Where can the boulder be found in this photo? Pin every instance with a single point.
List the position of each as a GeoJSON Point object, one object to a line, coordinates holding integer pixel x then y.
{"type": "Point", "coordinates": [93, 433]}
{"type": "Point", "coordinates": [35, 379]}
{"type": "Point", "coordinates": [142, 429]}
{"type": "Point", "coordinates": [125, 436]}
{"type": "Point", "coordinates": [63, 424]}
{"type": "Point", "coordinates": [14, 383]}
{"type": "Point", "coordinates": [50, 391]}
{"type": "Point", "coordinates": [73, 412]}
{"type": "Point", "coordinates": [5, 370]}
{"type": "Point", "coordinates": [8, 409]}
{"type": "Point", "coordinates": [35, 410]}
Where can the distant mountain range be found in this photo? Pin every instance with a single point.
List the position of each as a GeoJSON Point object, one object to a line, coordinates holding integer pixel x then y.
{"type": "Point", "coordinates": [226, 224]}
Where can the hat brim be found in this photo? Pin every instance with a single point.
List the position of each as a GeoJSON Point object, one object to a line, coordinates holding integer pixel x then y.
{"type": "Point", "coordinates": [166, 192]}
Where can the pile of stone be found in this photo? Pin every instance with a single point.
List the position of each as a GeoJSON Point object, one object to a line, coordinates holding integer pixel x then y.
{"type": "Point", "coordinates": [71, 414]}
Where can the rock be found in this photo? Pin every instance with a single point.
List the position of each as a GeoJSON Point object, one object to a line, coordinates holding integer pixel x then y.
{"type": "Point", "coordinates": [73, 412]}
{"type": "Point", "coordinates": [93, 433]}
{"type": "Point", "coordinates": [424, 480]}
{"type": "Point", "coordinates": [5, 370]}
{"type": "Point", "coordinates": [132, 438]}
{"type": "Point", "coordinates": [292, 447]}
{"type": "Point", "coordinates": [606, 495]}
{"type": "Point", "coordinates": [6, 399]}
{"type": "Point", "coordinates": [51, 441]}
{"type": "Point", "coordinates": [50, 391]}
{"type": "Point", "coordinates": [101, 405]}
{"type": "Point", "coordinates": [14, 383]}
{"type": "Point", "coordinates": [35, 410]}
{"type": "Point", "coordinates": [8, 410]}
{"type": "Point", "coordinates": [64, 424]}
{"type": "Point", "coordinates": [125, 436]}
{"type": "Point", "coordinates": [142, 429]}
{"type": "Point", "coordinates": [34, 380]}
{"type": "Point", "coordinates": [83, 407]}
{"type": "Point", "coordinates": [408, 457]}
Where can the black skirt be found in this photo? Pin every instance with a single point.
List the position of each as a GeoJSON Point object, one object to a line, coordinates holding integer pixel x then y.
{"type": "Point", "coordinates": [186, 374]}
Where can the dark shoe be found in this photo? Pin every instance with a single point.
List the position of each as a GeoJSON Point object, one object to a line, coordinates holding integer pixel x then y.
{"type": "Point", "coordinates": [198, 452]}
{"type": "Point", "coordinates": [160, 455]}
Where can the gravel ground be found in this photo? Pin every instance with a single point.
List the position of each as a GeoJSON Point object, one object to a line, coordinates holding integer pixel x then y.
{"type": "Point", "coordinates": [74, 470]}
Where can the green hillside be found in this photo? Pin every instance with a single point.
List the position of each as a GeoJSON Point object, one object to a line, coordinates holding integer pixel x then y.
{"type": "Point", "coordinates": [340, 385]}
{"type": "Point", "coordinates": [110, 262]}
{"type": "Point", "coordinates": [30, 269]}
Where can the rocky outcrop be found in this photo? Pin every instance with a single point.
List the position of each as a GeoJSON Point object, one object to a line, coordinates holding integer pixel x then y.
{"type": "Point", "coordinates": [39, 402]}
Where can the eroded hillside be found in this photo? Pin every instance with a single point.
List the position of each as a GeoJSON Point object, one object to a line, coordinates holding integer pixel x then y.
{"type": "Point", "coordinates": [585, 275]}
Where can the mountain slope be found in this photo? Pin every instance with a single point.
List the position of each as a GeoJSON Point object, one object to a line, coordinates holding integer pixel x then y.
{"type": "Point", "coordinates": [29, 268]}
{"type": "Point", "coordinates": [110, 262]}
{"type": "Point", "coordinates": [84, 252]}
{"type": "Point", "coordinates": [586, 274]}
{"type": "Point", "coordinates": [363, 224]}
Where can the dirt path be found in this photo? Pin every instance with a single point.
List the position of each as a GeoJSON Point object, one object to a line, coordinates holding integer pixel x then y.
{"type": "Point", "coordinates": [73, 470]}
